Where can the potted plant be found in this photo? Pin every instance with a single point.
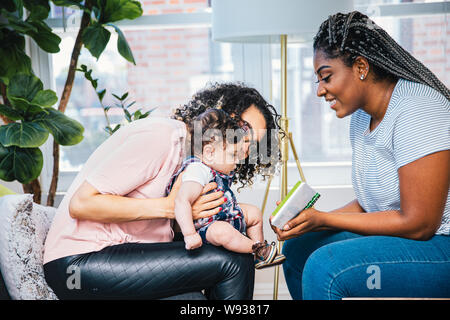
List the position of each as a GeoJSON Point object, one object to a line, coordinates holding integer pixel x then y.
{"type": "Point", "coordinates": [27, 109]}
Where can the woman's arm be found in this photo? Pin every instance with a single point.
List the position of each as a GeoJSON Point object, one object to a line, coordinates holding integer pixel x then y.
{"type": "Point", "coordinates": [88, 203]}
{"type": "Point", "coordinates": [424, 185]}
{"type": "Point", "coordinates": [352, 206]}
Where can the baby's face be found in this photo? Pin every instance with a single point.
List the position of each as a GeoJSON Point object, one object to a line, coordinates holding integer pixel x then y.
{"type": "Point", "coordinates": [224, 159]}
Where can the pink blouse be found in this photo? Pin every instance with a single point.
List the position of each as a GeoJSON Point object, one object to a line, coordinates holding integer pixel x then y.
{"type": "Point", "coordinates": [137, 161]}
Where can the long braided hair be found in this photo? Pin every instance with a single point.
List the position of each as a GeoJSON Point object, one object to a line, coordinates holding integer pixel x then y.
{"type": "Point", "coordinates": [354, 34]}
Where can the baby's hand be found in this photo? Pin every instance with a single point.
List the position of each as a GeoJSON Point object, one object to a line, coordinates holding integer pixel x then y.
{"type": "Point", "coordinates": [193, 241]}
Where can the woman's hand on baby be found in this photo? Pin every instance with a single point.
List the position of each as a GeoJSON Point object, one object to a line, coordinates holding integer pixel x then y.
{"type": "Point", "coordinates": [208, 204]}
{"type": "Point", "coordinates": [205, 206]}
{"type": "Point", "coordinates": [193, 241]}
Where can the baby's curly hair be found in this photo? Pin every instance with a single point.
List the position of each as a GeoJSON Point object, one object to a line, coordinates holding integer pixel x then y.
{"type": "Point", "coordinates": [234, 99]}
{"type": "Point", "coordinates": [212, 126]}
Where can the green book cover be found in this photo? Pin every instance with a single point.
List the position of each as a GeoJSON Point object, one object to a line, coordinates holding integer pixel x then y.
{"type": "Point", "coordinates": [299, 198]}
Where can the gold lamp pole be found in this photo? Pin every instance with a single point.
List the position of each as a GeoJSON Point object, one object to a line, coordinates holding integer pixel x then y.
{"type": "Point", "coordinates": [285, 140]}
{"type": "Point", "coordinates": [284, 124]}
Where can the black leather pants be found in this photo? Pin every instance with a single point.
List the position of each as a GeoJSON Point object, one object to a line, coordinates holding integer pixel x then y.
{"type": "Point", "coordinates": [152, 271]}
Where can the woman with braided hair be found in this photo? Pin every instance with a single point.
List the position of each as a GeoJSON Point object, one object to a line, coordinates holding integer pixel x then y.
{"type": "Point", "coordinates": [393, 240]}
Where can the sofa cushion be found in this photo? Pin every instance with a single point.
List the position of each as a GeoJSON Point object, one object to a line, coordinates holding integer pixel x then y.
{"type": "Point", "coordinates": [23, 229]}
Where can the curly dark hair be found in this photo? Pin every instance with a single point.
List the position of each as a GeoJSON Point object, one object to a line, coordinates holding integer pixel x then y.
{"type": "Point", "coordinates": [210, 126]}
{"type": "Point", "coordinates": [235, 98]}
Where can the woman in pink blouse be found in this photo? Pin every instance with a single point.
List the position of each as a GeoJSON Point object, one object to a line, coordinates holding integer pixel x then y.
{"type": "Point", "coordinates": [112, 236]}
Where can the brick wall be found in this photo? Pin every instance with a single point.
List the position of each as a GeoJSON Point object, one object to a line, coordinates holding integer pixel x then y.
{"type": "Point", "coordinates": [172, 6]}
{"type": "Point", "coordinates": [431, 45]}
{"type": "Point", "coordinates": [166, 63]}
{"type": "Point", "coordinates": [167, 60]}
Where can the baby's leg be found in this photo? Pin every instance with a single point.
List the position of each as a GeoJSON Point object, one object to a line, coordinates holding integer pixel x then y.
{"type": "Point", "coordinates": [221, 233]}
{"type": "Point", "coordinates": [254, 222]}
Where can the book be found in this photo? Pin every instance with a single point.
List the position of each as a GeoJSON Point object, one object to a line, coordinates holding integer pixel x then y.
{"type": "Point", "coordinates": [299, 198]}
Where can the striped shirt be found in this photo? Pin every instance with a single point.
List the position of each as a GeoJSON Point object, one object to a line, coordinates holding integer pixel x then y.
{"type": "Point", "coordinates": [416, 123]}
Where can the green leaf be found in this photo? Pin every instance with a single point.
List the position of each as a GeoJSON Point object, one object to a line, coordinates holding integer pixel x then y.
{"type": "Point", "coordinates": [24, 135]}
{"type": "Point", "coordinates": [23, 165]}
{"type": "Point", "coordinates": [88, 76]}
{"type": "Point", "coordinates": [137, 115]}
{"type": "Point", "coordinates": [101, 94]}
{"type": "Point", "coordinates": [128, 106]}
{"type": "Point", "coordinates": [9, 5]}
{"type": "Point", "coordinates": [83, 68]}
{"type": "Point", "coordinates": [122, 45]}
{"type": "Point", "coordinates": [115, 10]}
{"type": "Point", "coordinates": [26, 95]}
{"type": "Point", "coordinates": [44, 37]}
{"type": "Point", "coordinates": [124, 96]}
{"type": "Point", "coordinates": [25, 107]}
{"type": "Point", "coordinates": [117, 97]}
{"type": "Point", "coordinates": [20, 104]}
{"type": "Point", "coordinates": [145, 115]}
{"type": "Point", "coordinates": [11, 38]}
{"type": "Point", "coordinates": [17, 23]}
{"type": "Point", "coordinates": [24, 86]}
{"type": "Point", "coordinates": [68, 3]}
{"type": "Point", "coordinates": [65, 131]}
{"type": "Point", "coordinates": [95, 39]}
{"type": "Point", "coordinates": [13, 59]}
{"type": "Point", "coordinates": [10, 113]}
{"type": "Point", "coordinates": [127, 115]}
{"type": "Point", "coordinates": [38, 9]}
{"type": "Point", "coordinates": [45, 98]}
{"type": "Point", "coordinates": [117, 127]}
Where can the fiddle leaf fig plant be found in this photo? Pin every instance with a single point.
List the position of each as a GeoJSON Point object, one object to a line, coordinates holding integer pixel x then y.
{"type": "Point", "coordinates": [96, 36]}
{"type": "Point", "coordinates": [26, 109]}
{"type": "Point", "coordinates": [34, 119]}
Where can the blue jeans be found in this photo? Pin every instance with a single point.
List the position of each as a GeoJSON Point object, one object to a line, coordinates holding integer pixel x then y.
{"type": "Point", "coordinates": [331, 265]}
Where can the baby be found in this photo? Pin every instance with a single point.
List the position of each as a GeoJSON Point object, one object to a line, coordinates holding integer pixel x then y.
{"type": "Point", "coordinates": [214, 160]}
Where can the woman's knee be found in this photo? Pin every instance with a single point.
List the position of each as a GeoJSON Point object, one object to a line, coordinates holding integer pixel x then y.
{"type": "Point", "coordinates": [298, 249]}
{"type": "Point", "coordinates": [330, 271]}
{"type": "Point", "coordinates": [308, 249]}
{"type": "Point", "coordinates": [290, 248]}
{"type": "Point", "coordinates": [318, 275]}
